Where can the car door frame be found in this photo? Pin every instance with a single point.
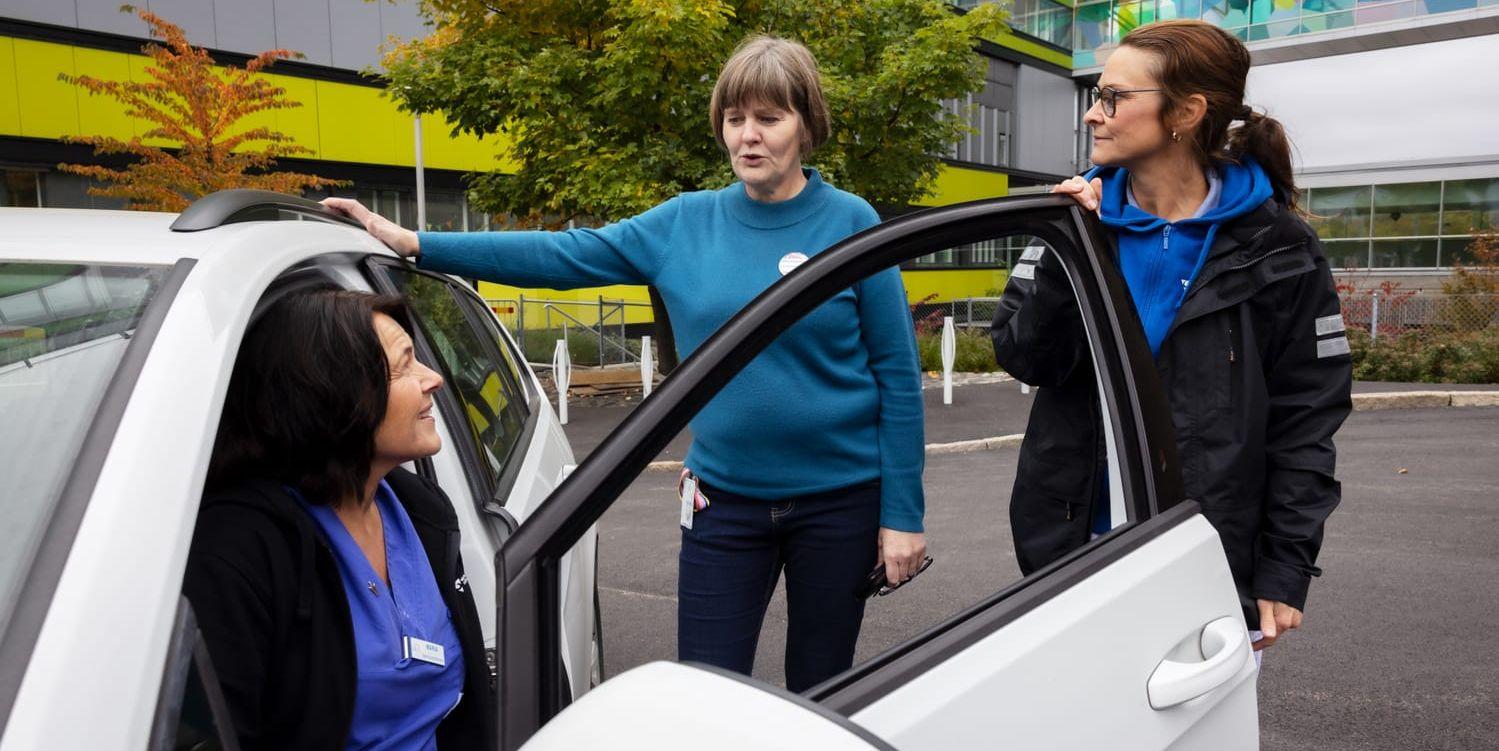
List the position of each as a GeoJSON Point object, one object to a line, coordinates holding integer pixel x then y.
{"type": "Point", "coordinates": [530, 689]}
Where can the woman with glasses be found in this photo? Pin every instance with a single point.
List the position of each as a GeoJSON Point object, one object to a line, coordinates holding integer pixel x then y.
{"type": "Point", "coordinates": [1237, 302]}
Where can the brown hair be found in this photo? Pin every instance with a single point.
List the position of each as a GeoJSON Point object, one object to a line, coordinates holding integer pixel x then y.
{"type": "Point", "coordinates": [1195, 57]}
{"type": "Point", "coordinates": [307, 394]}
{"type": "Point", "coordinates": [774, 71]}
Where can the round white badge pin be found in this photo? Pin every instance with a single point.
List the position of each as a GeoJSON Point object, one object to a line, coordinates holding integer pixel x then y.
{"type": "Point", "coordinates": [790, 261]}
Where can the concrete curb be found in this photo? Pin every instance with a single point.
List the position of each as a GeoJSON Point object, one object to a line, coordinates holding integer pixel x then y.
{"type": "Point", "coordinates": [1424, 400]}
{"type": "Point", "coordinates": [1361, 403]}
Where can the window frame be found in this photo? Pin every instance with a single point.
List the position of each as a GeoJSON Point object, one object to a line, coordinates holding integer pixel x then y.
{"type": "Point", "coordinates": [531, 683]}
{"type": "Point", "coordinates": [185, 651]}
{"type": "Point", "coordinates": [34, 598]}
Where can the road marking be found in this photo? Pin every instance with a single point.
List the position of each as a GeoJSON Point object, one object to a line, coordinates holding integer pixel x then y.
{"type": "Point", "coordinates": [633, 593]}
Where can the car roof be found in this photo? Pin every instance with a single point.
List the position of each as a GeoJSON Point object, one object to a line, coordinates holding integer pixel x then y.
{"type": "Point", "coordinates": [146, 237]}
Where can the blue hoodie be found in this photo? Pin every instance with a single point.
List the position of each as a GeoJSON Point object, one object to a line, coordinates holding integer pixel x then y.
{"type": "Point", "coordinates": [1161, 259]}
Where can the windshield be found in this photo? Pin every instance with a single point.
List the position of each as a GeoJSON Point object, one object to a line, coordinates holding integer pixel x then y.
{"type": "Point", "coordinates": [63, 331]}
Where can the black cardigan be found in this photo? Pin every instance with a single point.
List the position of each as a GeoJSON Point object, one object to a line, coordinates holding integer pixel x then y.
{"type": "Point", "coordinates": [266, 591]}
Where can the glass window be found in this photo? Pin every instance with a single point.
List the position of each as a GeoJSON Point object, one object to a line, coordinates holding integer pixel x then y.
{"type": "Point", "coordinates": [1406, 210]}
{"type": "Point", "coordinates": [63, 330]}
{"type": "Point", "coordinates": [1094, 26]}
{"type": "Point", "coordinates": [1229, 14]}
{"type": "Point", "coordinates": [1340, 212]}
{"type": "Point", "coordinates": [20, 188]}
{"type": "Point", "coordinates": [1168, 9]}
{"type": "Point", "coordinates": [1470, 205]}
{"type": "Point", "coordinates": [1347, 254]}
{"type": "Point", "coordinates": [477, 220]}
{"type": "Point", "coordinates": [444, 211]}
{"type": "Point", "coordinates": [1261, 11]}
{"type": "Point", "coordinates": [1129, 16]}
{"type": "Point", "coordinates": [1404, 253]}
{"type": "Point", "coordinates": [485, 385]}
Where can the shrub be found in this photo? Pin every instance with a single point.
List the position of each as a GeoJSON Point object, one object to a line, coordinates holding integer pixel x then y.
{"type": "Point", "coordinates": [974, 351]}
{"type": "Point", "coordinates": [1427, 356]}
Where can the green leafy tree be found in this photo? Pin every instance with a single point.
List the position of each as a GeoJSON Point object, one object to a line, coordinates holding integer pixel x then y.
{"type": "Point", "coordinates": [605, 101]}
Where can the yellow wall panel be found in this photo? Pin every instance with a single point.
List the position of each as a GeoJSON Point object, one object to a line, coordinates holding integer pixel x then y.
{"type": "Point", "coordinates": [463, 152]}
{"type": "Point", "coordinates": [98, 114]}
{"type": "Point", "coordinates": [356, 124]}
{"type": "Point", "coordinates": [301, 123]}
{"type": "Point", "coordinates": [138, 65]}
{"type": "Point", "coordinates": [10, 103]}
{"type": "Point", "coordinates": [953, 284]}
{"type": "Point", "coordinates": [48, 107]}
{"type": "Point", "coordinates": [959, 184]}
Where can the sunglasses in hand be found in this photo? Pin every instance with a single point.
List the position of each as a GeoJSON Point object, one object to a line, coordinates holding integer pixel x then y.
{"type": "Point", "coordinates": [875, 583]}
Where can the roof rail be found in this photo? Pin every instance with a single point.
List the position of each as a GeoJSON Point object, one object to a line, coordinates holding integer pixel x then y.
{"type": "Point", "coordinates": [249, 205]}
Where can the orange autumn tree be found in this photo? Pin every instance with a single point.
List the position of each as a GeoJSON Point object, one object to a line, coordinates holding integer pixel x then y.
{"type": "Point", "coordinates": [199, 108]}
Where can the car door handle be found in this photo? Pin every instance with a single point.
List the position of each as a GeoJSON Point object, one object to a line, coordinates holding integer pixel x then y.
{"type": "Point", "coordinates": [1224, 645]}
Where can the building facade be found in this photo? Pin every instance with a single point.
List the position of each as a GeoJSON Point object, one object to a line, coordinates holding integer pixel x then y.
{"type": "Point", "coordinates": [357, 134]}
{"type": "Point", "coordinates": [1389, 104]}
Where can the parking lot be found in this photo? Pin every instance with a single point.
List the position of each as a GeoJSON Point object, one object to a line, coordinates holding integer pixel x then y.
{"type": "Point", "coordinates": [1395, 653]}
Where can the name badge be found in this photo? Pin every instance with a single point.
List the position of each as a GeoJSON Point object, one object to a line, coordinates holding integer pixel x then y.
{"type": "Point", "coordinates": [689, 494]}
{"type": "Point", "coordinates": [790, 261]}
{"type": "Point", "coordinates": [413, 648]}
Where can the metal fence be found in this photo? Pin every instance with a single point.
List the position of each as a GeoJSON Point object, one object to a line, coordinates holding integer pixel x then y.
{"type": "Point", "coordinates": [1387, 314]}
{"type": "Point", "coordinates": [597, 332]}
{"type": "Point", "coordinates": [1377, 313]}
{"type": "Point", "coordinates": [970, 312]}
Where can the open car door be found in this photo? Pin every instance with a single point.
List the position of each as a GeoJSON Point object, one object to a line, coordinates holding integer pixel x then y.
{"type": "Point", "coordinates": [1132, 640]}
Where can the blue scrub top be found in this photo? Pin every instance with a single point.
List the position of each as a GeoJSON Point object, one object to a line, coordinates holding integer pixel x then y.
{"type": "Point", "coordinates": [399, 700]}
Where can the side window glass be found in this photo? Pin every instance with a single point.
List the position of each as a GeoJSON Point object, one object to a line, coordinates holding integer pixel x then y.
{"type": "Point", "coordinates": [484, 320]}
{"type": "Point", "coordinates": [1021, 468]}
{"type": "Point", "coordinates": [191, 714]}
{"type": "Point", "coordinates": [493, 407]}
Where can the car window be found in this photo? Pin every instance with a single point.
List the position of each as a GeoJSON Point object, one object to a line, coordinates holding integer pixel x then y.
{"type": "Point", "coordinates": [1053, 443]}
{"type": "Point", "coordinates": [191, 714]}
{"type": "Point", "coordinates": [63, 331]}
{"type": "Point", "coordinates": [492, 404]}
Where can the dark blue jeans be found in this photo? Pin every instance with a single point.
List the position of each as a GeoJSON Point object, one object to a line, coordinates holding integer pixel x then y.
{"type": "Point", "coordinates": [733, 556]}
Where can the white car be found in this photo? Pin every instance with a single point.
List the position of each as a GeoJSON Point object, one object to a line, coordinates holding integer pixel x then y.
{"type": "Point", "coordinates": [1134, 641]}
{"type": "Point", "coordinates": [118, 334]}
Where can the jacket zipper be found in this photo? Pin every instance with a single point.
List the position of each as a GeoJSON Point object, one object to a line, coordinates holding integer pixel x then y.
{"type": "Point", "coordinates": [1254, 261]}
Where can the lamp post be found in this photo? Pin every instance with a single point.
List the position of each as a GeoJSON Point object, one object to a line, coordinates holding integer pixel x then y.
{"type": "Point", "coordinates": [421, 182]}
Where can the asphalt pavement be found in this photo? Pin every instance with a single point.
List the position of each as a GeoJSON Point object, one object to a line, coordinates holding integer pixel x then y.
{"type": "Point", "coordinates": [1395, 652]}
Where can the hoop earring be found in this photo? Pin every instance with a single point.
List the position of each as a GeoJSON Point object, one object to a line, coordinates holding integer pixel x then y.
{"type": "Point", "coordinates": [1176, 136]}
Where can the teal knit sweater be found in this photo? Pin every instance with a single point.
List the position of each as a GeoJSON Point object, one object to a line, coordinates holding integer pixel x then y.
{"type": "Point", "coordinates": [834, 401]}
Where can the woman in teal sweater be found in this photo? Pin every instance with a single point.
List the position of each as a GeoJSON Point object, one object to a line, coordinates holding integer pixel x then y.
{"type": "Point", "coordinates": [812, 456]}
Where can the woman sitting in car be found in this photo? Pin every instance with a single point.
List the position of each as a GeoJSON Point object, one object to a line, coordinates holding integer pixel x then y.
{"type": "Point", "coordinates": [326, 579]}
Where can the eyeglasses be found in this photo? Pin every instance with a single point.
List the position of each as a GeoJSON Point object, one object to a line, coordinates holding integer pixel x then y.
{"type": "Point", "coordinates": [1108, 97]}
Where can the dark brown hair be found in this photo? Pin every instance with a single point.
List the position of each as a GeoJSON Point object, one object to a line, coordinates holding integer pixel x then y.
{"type": "Point", "coordinates": [308, 391]}
{"type": "Point", "coordinates": [1195, 57]}
{"type": "Point", "coordinates": [777, 72]}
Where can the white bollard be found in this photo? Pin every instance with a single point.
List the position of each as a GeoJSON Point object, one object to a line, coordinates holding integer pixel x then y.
{"type": "Point", "coordinates": [949, 353]}
{"type": "Point", "coordinates": [647, 365]}
{"type": "Point", "coordinates": [562, 375]}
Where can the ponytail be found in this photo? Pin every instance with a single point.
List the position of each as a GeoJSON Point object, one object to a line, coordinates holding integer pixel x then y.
{"type": "Point", "coordinates": [1263, 139]}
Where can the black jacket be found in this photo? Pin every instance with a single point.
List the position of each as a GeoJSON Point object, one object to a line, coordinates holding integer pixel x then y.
{"type": "Point", "coordinates": [1257, 383]}
{"type": "Point", "coordinates": [265, 587]}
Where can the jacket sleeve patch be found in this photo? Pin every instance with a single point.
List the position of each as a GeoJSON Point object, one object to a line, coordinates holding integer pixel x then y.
{"type": "Point", "coordinates": [1033, 253]}
{"type": "Point", "coordinates": [1329, 324]}
{"type": "Point", "coordinates": [1024, 271]}
{"type": "Point", "coordinates": [1332, 347]}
